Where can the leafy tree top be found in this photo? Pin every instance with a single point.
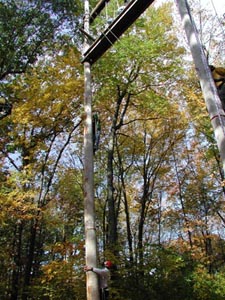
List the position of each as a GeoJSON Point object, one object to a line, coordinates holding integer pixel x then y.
{"type": "Point", "coordinates": [29, 27]}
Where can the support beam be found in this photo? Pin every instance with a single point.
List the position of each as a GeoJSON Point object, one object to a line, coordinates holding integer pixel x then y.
{"type": "Point", "coordinates": [121, 23]}
{"type": "Point", "coordinates": [88, 174]}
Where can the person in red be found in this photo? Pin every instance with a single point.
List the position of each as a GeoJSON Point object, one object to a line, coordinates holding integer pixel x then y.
{"type": "Point", "coordinates": [104, 276]}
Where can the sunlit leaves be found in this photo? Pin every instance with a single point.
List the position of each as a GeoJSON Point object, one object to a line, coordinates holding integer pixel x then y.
{"type": "Point", "coordinates": [27, 29]}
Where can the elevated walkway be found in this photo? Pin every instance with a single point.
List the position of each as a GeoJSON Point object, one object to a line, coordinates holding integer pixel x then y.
{"type": "Point", "coordinates": [120, 24]}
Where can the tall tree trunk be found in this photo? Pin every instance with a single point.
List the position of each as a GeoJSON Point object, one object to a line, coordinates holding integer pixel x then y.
{"type": "Point", "coordinates": [92, 287]}
{"type": "Point", "coordinates": [144, 199]}
{"type": "Point", "coordinates": [17, 261]}
{"type": "Point", "coordinates": [180, 182]}
{"type": "Point", "coordinates": [118, 117]}
{"type": "Point", "coordinates": [149, 176]}
{"type": "Point", "coordinates": [30, 259]}
{"type": "Point", "coordinates": [127, 213]}
{"type": "Point", "coordinates": [159, 218]}
{"type": "Point", "coordinates": [112, 224]}
{"type": "Point", "coordinates": [140, 232]}
{"type": "Point", "coordinates": [126, 206]}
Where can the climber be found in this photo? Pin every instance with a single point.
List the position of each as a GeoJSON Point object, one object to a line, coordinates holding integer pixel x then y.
{"type": "Point", "coordinates": [104, 276]}
{"type": "Point", "coordinates": [218, 75]}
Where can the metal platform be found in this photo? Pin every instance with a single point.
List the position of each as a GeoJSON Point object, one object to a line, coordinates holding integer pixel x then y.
{"type": "Point", "coordinates": [112, 33]}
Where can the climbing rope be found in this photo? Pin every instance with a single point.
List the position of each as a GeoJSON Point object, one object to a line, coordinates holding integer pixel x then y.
{"type": "Point", "coordinates": [218, 18]}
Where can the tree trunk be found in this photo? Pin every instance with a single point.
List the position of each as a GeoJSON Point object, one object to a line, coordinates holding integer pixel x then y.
{"type": "Point", "coordinates": [30, 259]}
{"type": "Point", "coordinates": [17, 261]}
{"type": "Point", "coordinates": [117, 122]}
{"type": "Point", "coordinates": [179, 183]}
{"type": "Point", "coordinates": [92, 290]}
{"type": "Point", "coordinates": [140, 231]}
{"type": "Point", "coordinates": [112, 224]}
{"type": "Point", "coordinates": [122, 176]}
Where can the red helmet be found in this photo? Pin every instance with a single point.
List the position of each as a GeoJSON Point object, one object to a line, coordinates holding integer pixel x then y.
{"type": "Point", "coordinates": [108, 264]}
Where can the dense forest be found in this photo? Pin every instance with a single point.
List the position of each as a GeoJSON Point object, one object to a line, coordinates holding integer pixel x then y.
{"type": "Point", "coordinates": [159, 184]}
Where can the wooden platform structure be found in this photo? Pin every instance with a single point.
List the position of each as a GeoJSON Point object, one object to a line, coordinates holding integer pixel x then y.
{"type": "Point", "coordinates": [121, 23]}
